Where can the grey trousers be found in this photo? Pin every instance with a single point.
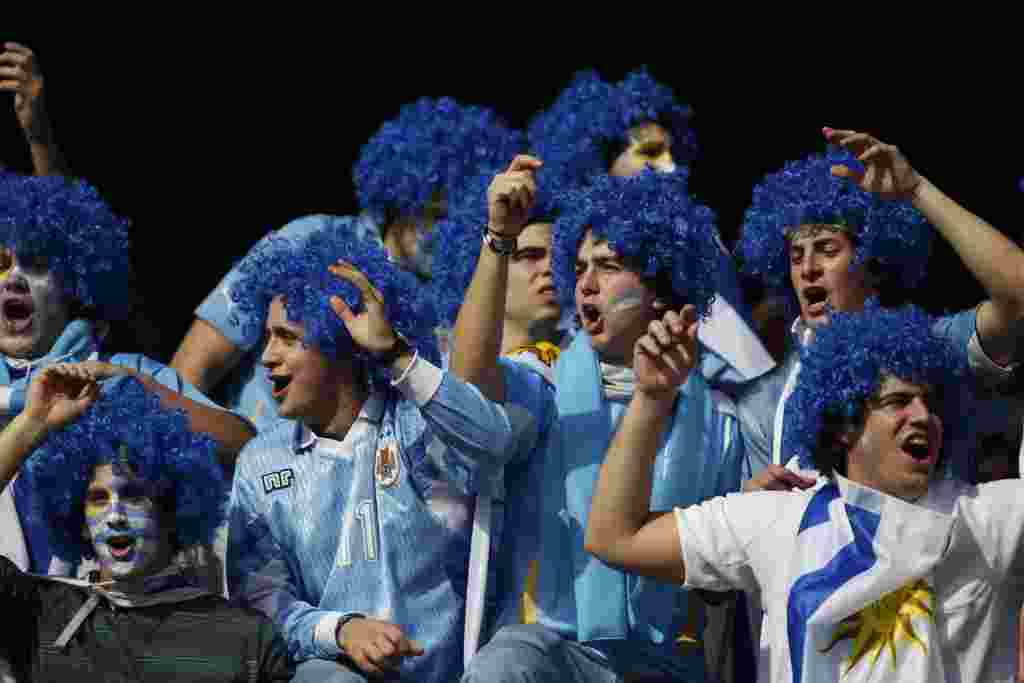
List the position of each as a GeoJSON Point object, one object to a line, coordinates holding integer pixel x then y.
{"type": "Point", "coordinates": [534, 654]}
{"type": "Point", "coordinates": [329, 671]}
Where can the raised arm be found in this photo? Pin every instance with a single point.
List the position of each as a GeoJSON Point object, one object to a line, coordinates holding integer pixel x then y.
{"type": "Point", "coordinates": [995, 260]}
{"type": "Point", "coordinates": [205, 356]}
{"type": "Point", "coordinates": [56, 396]}
{"type": "Point", "coordinates": [621, 530]}
{"type": "Point", "coordinates": [21, 75]}
{"type": "Point", "coordinates": [477, 335]}
{"type": "Point", "coordinates": [230, 431]}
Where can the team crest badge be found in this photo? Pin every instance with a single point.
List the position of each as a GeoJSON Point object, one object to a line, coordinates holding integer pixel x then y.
{"type": "Point", "coordinates": [387, 467]}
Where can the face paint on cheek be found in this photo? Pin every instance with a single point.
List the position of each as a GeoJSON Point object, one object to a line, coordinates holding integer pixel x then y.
{"type": "Point", "coordinates": [627, 300]}
{"type": "Point", "coordinates": [135, 532]}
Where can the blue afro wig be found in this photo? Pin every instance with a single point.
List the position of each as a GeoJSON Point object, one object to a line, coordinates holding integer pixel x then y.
{"type": "Point", "coordinates": [847, 361]}
{"type": "Point", "coordinates": [456, 240]}
{"type": "Point", "coordinates": [431, 146]}
{"type": "Point", "coordinates": [127, 423]}
{"type": "Point", "coordinates": [576, 135]}
{"type": "Point", "coordinates": [298, 273]}
{"type": "Point", "coordinates": [891, 233]}
{"type": "Point", "coordinates": [81, 240]}
{"type": "Point", "coordinates": [651, 222]}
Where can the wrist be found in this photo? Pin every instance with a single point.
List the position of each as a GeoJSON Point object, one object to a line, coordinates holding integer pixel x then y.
{"type": "Point", "coordinates": [390, 356]}
{"type": "Point", "coordinates": [500, 243]}
{"type": "Point", "coordinates": [657, 401]}
{"type": "Point", "coordinates": [339, 633]}
{"type": "Point", "coordinates": [920, 193]}
{"type": "Point", "coordinates": [29, 427]}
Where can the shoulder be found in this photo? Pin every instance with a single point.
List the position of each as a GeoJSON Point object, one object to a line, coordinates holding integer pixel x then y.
{"type": "Point", "coordinates": [272, 445]}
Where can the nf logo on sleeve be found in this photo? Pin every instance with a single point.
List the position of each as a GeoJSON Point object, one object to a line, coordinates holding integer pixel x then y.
{"type": "Point", "coordinates": [275, 481]}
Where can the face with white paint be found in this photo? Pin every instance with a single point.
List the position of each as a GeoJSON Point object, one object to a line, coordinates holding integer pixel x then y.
{"type": "Point", "coordinates": [650, 145]}
{"type": "Point", "coordinates": [613, 303]}
{"type": "Point", "coordinates": [125, 524]}
{"type": "Point", "coordinates": [33, 307]}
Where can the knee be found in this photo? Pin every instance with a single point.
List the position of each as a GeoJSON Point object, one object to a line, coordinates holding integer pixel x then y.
{"type": "Point", "coordinates": [516, 654]}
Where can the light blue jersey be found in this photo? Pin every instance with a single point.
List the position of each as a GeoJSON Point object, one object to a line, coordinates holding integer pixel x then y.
{"type": "Point", "coordinates": [378, 524]}
{"type": "Point", "coordinates": [246, 389]}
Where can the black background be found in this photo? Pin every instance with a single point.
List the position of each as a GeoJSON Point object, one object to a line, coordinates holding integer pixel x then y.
{"type": "Point", "coordinates": [207, 138]}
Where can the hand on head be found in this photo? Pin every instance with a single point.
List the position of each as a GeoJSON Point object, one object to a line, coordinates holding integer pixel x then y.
{"type": "Point", "coordinates": [887, 172]}
{"type": "Point", "coordinates": [369, 329]}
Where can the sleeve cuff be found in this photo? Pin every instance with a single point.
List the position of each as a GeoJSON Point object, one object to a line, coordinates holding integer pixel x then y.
{"type": "Point", "coordinates": [984, 367]}
{"type": "Point", "coordinates": [420, 381]}
{"type": "Point", "coordinates": [325, 635]}
{"type": "Point", "coordinates": [12, 401]}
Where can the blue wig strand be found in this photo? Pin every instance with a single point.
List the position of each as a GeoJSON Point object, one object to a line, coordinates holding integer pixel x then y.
{"type": "Point", "coordinates": [160, 449]}
{"type": "Point", "coordinates": [298, 274]}
{"type": "Point", "coordinates": [848, 359]}
{"type": "Point", "coordinates": [432, 146]}
{"type": "Point", "coordinates": [804, 192]}
{"type": "Point", "coordinates": [69, 226]}
{"type": "Point", "coordinates": [651, 222]}
{"type": "Point", "coordinates": [590, 116]}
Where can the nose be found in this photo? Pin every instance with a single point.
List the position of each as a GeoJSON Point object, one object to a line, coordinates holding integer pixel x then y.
{"type": "Point", "coordinates": [118, 518]}
{"type": "Point", "coordinates": [14, 281]}
{"type": "Point", "coordinates": [587, 282]}
{"type": "Point", "coordinates": [920, 412]}
{"type": "Point", "coordinates": [810, 270]}
{"type": "Point", "coordinates": [270, 357]}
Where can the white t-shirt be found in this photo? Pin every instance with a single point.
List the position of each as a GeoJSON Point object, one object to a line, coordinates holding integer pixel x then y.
{"type": "Point", "coordinates": [750, 542]}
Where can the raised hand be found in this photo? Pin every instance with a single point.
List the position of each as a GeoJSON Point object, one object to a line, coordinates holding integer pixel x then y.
{"type": "Point", "coordinates": [664, 357]}
{"type": "Point", "coordinates": [20, 74]}
{"type": "Point", "coordinates": [60, 394]}
{"type": "Point", "coordinates": [369, 329]}
{"type": "Point", "coordinates": [887, 172]}
{"type": "Point", "coordinates": [511, 196]}
{"type": "Point", "coordinates": [376, 647]}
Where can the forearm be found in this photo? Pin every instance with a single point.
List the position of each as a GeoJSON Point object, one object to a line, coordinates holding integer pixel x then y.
{"type": "Point", "coordinates": [995, 260]}
{"type": "Point", "coordinates": [47, 158]}
{"type": "Point", "coordinates": [478, 330]}
{"type": "Point", "coordinates": [205, 356]}
{"type": "Point", "coordinates": [621, 503]}
{"type": "Point", "coordinates": [19, 438]}
{"type": "Point", "coordinates": [227, 429]}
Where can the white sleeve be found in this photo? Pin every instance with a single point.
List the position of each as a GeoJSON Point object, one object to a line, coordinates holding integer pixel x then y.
{"type": "Point", "coordinates": [717, 536]}
{"type": "Point", "coordinates": [996, 519]}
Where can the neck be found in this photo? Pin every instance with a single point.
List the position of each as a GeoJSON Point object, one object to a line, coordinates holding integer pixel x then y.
{"type": "Point", "coordinates": [351, 398]}
{"type": "Point", "coordinates": [515, 335]}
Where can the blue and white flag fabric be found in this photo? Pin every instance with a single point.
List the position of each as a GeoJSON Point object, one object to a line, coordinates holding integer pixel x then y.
{"type": "Point", "coordinates": [861, 605]}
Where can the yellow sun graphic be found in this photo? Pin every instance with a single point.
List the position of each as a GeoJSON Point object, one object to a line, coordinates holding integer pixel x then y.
{"type": "Point", "coordinates": [883, 623]}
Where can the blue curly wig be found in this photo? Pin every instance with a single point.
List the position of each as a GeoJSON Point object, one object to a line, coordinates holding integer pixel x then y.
{"type": "Point", "coordinates": [160, 449]}
{"type": "Point", "coordinates": [298, 273]}
{"type": "Point", "coordinates": [651, 222]}
{"type": "Point", "coordinates": [892, 233]}
{"type": "Point", "coordinates": [847, 361]}
{"type": "Point", "coordinates": [456, 240]}
{"type": "Point", "coordinates": [432, 145]}
{"type": "Point", "coordinates": [83, 242]}
{"type": "Point", "coordinates": [590, 118]}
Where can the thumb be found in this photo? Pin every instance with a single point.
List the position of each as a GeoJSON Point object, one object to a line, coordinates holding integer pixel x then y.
{"type": "Point", "coordinates": [842, 171]}
{"type": "Point", "coordinates": [413, 648]}
{"type": "Point", "coordinates": [342, 310]}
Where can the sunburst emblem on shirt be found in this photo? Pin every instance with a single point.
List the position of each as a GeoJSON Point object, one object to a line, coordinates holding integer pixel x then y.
{"type": "Point", "coordinates": [387, 466]}
{"type": "Point", "coordinates": [546, 352]}
{"type": "Point", "coordinates": [882, 624]}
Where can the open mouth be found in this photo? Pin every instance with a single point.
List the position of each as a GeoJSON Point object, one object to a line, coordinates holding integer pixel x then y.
{"type": "Point", "coordinates": [816, 298]}
{"type": "Point", "coordinates": [280, 385]}
{"type": "Point", "coordinates": [918, 447]}
{"type": "Point", "coordinates": [591, 319]}
{"type": "Point", "coordinates": [18, 314]}
{"type": "Point", "coordinates": [546, 290]}
{"type": "Point", "coordinates": [121, 546]}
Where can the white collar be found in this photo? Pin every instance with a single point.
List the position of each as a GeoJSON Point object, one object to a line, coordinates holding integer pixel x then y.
{"type": "Point", "coordinates": [372, 413]}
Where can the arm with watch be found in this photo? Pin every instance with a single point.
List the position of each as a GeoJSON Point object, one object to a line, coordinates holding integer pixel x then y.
{"type": "Point", "coordinates": [477, 335]}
